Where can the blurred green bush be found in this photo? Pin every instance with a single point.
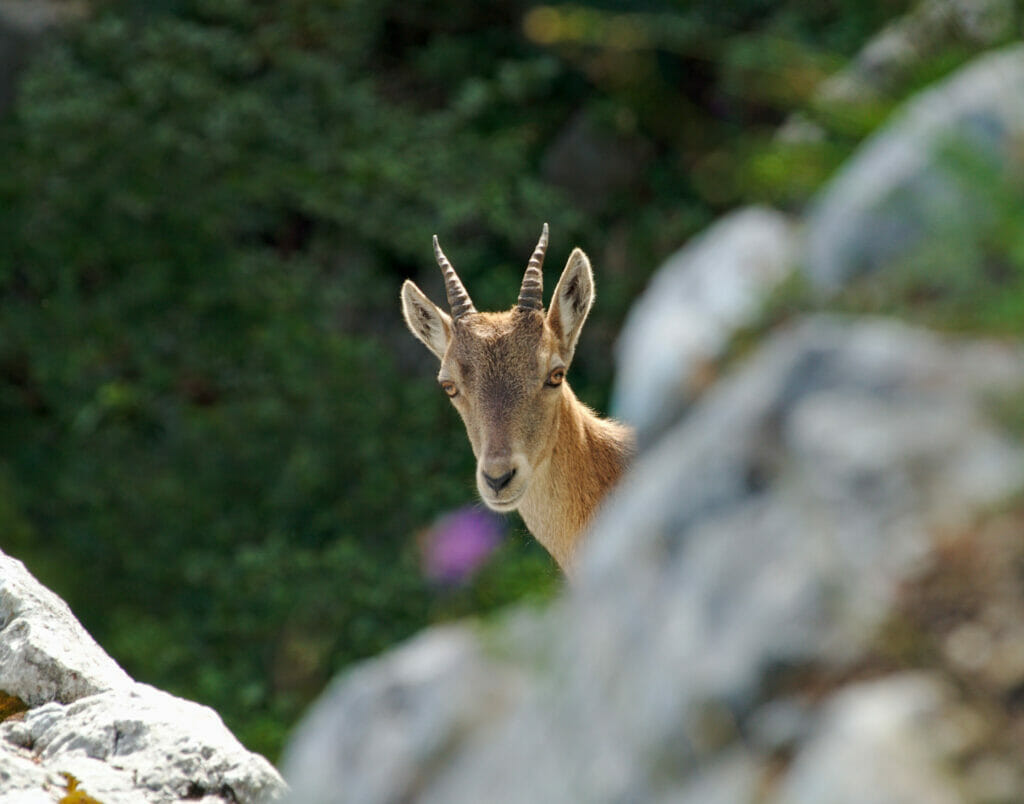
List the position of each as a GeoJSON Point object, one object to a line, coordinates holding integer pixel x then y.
{"type": "Point", "coordinates": [217, 441]}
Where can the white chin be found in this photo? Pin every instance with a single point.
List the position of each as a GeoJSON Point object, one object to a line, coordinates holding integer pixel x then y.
{"type": "Point", "coordinates": [503, 506]}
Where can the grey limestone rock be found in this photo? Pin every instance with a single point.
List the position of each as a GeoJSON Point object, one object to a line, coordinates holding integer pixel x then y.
{"type": "Point", "coordinates": [878, 741]}
{"type": "Point", "coordinates": [45, 654]}
{"type": "Point", "coordinates": [412, 706]}
{"type": "Point", "coordinates": [693, 306]}
{"type": "Point", "coordinates": [909, 188]}
{"type": "Point", "coordinates": [124, 742]}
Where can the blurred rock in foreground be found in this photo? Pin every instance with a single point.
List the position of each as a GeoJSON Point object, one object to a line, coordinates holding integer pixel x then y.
{"type": "Point", "coordinates": [731, 634]}
{"type": "Point", "coordinates": [929, 183]}
{"type": "Point", "coordinates": [681, 326]}
{"type": "Point", "coordinates": [67, 711]}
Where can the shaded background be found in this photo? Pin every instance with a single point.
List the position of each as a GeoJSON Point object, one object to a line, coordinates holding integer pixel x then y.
{"type": "Point", "coordinates": [217, 441]}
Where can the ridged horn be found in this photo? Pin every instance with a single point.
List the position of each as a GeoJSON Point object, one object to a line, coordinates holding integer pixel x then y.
{"type": "Point", "coordinates": [531, 293]}
{"type": "Point", "coordinates": [458, 299]}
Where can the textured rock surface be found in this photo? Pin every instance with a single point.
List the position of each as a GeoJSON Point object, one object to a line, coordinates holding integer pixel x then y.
{"type": "Point", "coordinates": [684, 320]}
{"type": "Point", "coordinates": [45, 654]}
{"type": "Point", "coordinates": [881, 741]}
{"type": "Point", "coordinates": [124, 741]}
{"type": "Point", "coordinates": [906, 188]}
{"type": "Point", "coordinates": [412, 703]}
{"type": "Point", "coordinates": [763, 536]}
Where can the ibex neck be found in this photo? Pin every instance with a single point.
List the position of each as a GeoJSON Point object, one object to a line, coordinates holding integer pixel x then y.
{"type": "Point", "coordinates": [587, 456]}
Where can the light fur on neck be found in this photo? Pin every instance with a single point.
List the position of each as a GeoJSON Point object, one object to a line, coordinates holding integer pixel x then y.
{"type": "Point", "coordinates": [587, 456]}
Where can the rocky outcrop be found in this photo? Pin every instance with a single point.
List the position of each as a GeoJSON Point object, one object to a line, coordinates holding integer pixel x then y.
{"type": "Point", "coordinates": [879, 741]}
{"type": "Point", "coordinates": [762, 540]}
{"type": "Point", "coordinates": [404, 713]}
{"type": "Point", "coordinates": [45, 654]}
{"type": "Point", "coordinates": [927, 180]}
{"type": "Point", "coordinates": [907, 193]}
{"type": "Point", "coordinates": [678, 330]}
{"type": "Point", "coordinates": [73, 714]}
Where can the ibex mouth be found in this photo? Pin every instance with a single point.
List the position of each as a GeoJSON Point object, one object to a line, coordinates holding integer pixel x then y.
{"type": "Point", "coordinates": [504, 505]}
{"type": "Point", "coordinates": [501, 494]}
{"type": "Point", "coordinates": [502, 481]}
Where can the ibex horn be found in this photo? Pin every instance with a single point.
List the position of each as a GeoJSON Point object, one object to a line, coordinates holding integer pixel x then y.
{"type": "Point", "coordinates": [458, 299]}
{"type": "Point", "coordinates": [531, 293]}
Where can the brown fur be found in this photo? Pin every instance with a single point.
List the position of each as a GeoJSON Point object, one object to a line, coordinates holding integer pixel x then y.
{"type": "Point", "coordinates": [588, 455]}
{"type": "Point", "coordinates": [558, 459]}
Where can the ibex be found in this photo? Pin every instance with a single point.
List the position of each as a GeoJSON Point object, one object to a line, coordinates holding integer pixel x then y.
{"type": "Point", "coordinates": [538, 448]}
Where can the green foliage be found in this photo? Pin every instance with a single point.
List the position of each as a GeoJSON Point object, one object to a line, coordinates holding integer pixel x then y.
{"type": "Point", "coordinates": [202, 406]}
{"type": "Point", "coordinates": [217, 441]}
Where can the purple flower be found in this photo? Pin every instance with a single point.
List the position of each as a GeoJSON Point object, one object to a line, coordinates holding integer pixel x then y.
{"type": "Point", "coordinates": [459, 544]}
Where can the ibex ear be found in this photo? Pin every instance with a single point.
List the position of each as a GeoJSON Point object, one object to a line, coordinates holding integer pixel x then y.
{"type": "Point", "coordinates": [571, 303]}
{"type": "Point", "coordinates": [427, 321]}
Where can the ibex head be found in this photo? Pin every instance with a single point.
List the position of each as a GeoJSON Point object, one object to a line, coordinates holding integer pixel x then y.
{"type": "Point", "coordinates": [505, 372]}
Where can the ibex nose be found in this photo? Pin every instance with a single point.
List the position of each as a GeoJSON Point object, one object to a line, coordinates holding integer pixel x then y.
{"type": "Point", "coordinates": [498, 483]}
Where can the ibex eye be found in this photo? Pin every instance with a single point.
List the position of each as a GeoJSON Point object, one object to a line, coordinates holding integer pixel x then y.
{"type": "Point", "coordinates": [449, 388]}
{"type": "Point", "coordinates": [556, 377]}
